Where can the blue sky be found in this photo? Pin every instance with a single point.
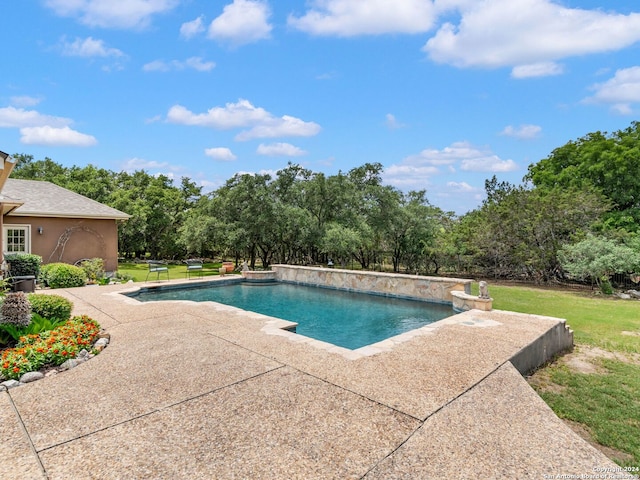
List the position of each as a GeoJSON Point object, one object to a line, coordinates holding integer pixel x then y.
{"type": "Point", "coordinates": [443, 93]}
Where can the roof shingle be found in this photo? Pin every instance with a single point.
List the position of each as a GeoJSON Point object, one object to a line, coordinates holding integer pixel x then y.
{"type": "Point", "coordinates": [44, 199]}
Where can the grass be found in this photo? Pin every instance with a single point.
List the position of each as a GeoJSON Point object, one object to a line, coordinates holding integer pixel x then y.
{"type": "Point", "coordinates": [597, 321]}
{"type": "Point", "coordinates": [139, 271]}
{"type": "Point", "coordinates": [606, 403]}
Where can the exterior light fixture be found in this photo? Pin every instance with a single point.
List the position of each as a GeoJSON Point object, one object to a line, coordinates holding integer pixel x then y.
{"type": "Point", "coordinates": [40, 230]}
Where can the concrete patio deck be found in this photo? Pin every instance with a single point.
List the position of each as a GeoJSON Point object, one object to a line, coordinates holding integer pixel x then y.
{"type": "Point", "coordinates": [202, 391]}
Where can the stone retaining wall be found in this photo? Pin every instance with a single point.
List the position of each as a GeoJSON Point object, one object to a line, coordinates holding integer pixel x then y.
{"type": "Point", "coordinates": [433, 289]}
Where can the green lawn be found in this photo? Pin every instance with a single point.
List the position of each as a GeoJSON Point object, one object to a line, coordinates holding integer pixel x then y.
{"type": "Point", "coordinates": [138, 271]}
{"type": "Point", "coordinates": [596, 321]}
{"type": "Point", "coordinates": [607, 403]}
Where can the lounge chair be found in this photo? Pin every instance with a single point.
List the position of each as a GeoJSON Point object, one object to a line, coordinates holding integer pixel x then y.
{"type": "Point", "coordinates": [194, 265]}
{"type": "Point", "coordinates": [157, 267]}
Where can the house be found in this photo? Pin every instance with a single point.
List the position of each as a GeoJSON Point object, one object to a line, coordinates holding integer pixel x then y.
{"type": "Point", "coordinates": [53, 222]}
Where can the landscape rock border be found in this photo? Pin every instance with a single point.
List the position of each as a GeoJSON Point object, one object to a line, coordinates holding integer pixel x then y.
{"type": "Point", "coordinates": [102, 340]}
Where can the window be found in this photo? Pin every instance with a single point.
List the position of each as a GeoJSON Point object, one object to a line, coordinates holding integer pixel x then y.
{"type": "Point", "coordinates": [17, 239]}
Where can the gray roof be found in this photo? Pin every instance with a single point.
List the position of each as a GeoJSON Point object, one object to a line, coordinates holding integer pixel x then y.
{"type": "Point", "coordinates": [44, 199]}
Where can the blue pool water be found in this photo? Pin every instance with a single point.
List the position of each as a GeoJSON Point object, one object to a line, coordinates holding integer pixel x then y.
{"type": "Point", "coordinates": [348, 319]}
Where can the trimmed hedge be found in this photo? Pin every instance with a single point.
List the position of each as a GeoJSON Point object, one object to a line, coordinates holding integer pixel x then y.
{"type": "Point", "coordinates": [62, 275]}
{"type": "Point", "coordinates": [23, 264]}
{"type": "Point", "coordinates": [53, 307]}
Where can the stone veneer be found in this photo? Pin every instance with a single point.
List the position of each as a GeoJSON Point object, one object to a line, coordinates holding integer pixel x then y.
{"type": "Point", "coordinates": [433, 289]}
{"type": "Point", "coordinates": [463, 301]}
{"type": "Point", "coordinates": [259, 275]}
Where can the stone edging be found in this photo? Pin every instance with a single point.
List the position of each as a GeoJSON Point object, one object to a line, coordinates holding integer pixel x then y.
{"type": "Point", "coordinates": [102, 340]}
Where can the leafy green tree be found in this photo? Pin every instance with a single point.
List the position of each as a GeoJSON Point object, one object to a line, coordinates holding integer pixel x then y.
{"type": "Point", "coordinates": [48, 170]}
{"type": "Point", "coordinates": [608, 163]}
{"type": "Point", "coordinates": [340, 243]}
{"type": "Point", "coordinates": [518, 231]}
{"type": "Point", "coordinates": [597, 258]}
{"type": "Point", "coordinates": [411, 226]}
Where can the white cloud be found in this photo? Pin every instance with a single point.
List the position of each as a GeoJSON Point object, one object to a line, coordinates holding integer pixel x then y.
{"type": "Point", "coordinates": [530, 34]}
{"type": "Point", "coordinates": [157, 66]}
{"type": "Point", "coordinates": [39, 129]}
{"type": "Point", "coordinates": [191, 29]}
{"type": "Point", "coordinates": [89, 47]}
{"type": "Point", "coordinates": [620, 91]}
{"type": "Point", "coordinates": [461, 187]}
{"type": "Point", "coordinates": [195, 63]}
{"type": "Point", "coordinates": [220, 153]}
{"type": "Point", "coordinates": [285, 126]}
{"type": "Point", "coordinates": [52, 136]}
{"type": "Point", "coordinates": [136, 163]}
{"type": "Point", "coordinates": [371, 17]}
{"type": "Point", "coordinates": [11, 117]}
{"type": "Point", "coordinates": [280, 150]}
{"type": "Point", "coordinates": [542, 69]}
{"type": "Point", "coordinates": [154, 119]}
{"type": "Point", "coordinates": [523, 132]}
{"type": "Point", "coordinates": [242, 115]}
{"type": "Point", "coordinates": [198, 64]}
{"type": "Point", "coordinates": [392, 123]}
{"type": "Point", "coordinates": [242, 22]}
{"type": "Point", "coordinates": [488, 163]}
{"type": "Point", "coordinates": [409, 176]}
{"type": "Point", "coordinates": [232, 115]}
{"type": "Point", "coordinates": [24, 101]}
{"type": "Point", "coordinates": [456, 152]}
{"type": "Point", "coordinates": [415, 171]}
{"type": "Point", "coordinates": [110, 13]}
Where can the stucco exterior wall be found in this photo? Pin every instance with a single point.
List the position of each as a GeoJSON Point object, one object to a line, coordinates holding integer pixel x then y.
{"type": "Point", "coordinates": [69, 240]}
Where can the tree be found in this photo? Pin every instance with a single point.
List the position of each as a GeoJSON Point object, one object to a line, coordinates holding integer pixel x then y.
{"type": "Point", "coordinates": [597, 258]}
{"type": "Point", "coordinates": [518, 231]}
{"type": "Point", "coordinates": [608, 163]}
{"type": "Point", "coordinates": [411, 226]}
{"type": "Point", "coordinates": [340, 243]}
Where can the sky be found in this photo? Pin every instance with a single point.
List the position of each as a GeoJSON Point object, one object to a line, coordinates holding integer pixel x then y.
{"type": "Point", "coordinates": [443, 93]}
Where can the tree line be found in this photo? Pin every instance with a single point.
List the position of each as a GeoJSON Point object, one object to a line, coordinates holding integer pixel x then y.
{"type": "Point", "coordinates": [583, 194]}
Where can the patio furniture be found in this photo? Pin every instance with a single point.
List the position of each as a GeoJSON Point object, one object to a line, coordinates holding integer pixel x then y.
{"type": "Point", "coordinates": [194, 265]}
{"type": "Point", "coordinates": [18, 283]}
{"type": "Point", "coordinates": [157, 267]}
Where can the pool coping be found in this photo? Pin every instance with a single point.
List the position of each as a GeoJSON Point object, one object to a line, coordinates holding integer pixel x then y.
{"type": "Point", "coordinates": [558, 338]}
{"type": "Point", "coordinates": [280, 327]}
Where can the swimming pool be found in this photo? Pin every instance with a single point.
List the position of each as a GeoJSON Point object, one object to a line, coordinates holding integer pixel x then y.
{"type": "Point", "coordinates": [347, 319]}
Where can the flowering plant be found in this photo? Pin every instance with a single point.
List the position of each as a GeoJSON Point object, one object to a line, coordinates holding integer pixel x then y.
{"type": "Point", "coordinates": [52, 347]}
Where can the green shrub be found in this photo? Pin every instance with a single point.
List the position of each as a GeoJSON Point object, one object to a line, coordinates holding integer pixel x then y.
{"type": "Point", "coordinates": [16, 309]}
{"type": "Point", "coordinates": [62, 275]}
{"type": "Point", "coordinates": [93, 268]}
{"type": "Point", "coordinates": [53, 307]}
{"type": "Point", "coordinates": [605, 286]}
{"type": "Point", "coordinates": [38, 325]}
{"type": "Point", "coordinates": [23, 264]}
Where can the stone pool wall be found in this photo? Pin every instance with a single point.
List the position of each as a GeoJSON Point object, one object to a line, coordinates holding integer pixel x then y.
{"type": "Point", "coordinates": [434, 289]}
